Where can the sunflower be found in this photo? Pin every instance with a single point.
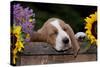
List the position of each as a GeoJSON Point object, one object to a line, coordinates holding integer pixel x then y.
{"type": "Point", "coordinates": [91, 27]}
{"type": "Point", "coordinates": [18, 45]}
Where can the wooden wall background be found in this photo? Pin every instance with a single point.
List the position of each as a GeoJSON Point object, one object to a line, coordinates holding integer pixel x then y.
{"type": "Point", "coordinates": [42, 53]}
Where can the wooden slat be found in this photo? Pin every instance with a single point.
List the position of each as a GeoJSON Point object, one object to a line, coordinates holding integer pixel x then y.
{"type": "Point", "coordinates": [28, 60]}
{"type": "Point", "coordinates": [38, 48]}
{"type": "Point", "coordinates": [51, 59]}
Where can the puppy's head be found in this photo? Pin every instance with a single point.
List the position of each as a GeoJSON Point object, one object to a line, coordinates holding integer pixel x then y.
{"type": "Point", "coordinates": [58, 34]}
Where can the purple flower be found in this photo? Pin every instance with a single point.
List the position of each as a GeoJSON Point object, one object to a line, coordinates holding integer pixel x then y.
{"type": "Point", "coordinates": [22, 17]}
{"type": "Point", "coordinates": [27, 27]}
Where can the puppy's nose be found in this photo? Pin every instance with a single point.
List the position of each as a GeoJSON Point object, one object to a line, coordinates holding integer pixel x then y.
{"type": "Point", "coordinates": [65, 40]}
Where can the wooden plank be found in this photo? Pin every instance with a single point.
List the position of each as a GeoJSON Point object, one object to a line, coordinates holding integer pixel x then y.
{"type": "Point", "coordinates": [50, 59]}
{"type": "Point", "coordinates": [42, 48]}
{"type": "Point", "coordinates": [33, 60]}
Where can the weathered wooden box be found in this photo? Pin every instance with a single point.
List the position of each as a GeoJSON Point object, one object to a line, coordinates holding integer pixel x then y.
{"type": "Point", "coordinates": [42, 53]}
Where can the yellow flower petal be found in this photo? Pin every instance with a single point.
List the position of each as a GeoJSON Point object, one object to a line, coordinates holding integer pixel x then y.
{"type": "Point", "coordinates": [88, 20]}
{"type": "Point", "coordinates": [14, 55]}
{"type": "Point", "coordinates": [28, 36]}
{"type": "Point", "coordinates": [88, 26]}
{"type": "Point", "coordinates": [30, 20]}
{"type": "Point", "coordinates": [88, 32]}
{"type": "Point", "coordinates": [17, 31]}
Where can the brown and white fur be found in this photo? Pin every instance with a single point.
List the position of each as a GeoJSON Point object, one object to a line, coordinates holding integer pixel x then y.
{"type": "Point", "coordinates": [57, 33]}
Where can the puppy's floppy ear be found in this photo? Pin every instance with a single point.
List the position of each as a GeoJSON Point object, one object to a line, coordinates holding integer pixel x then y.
{"type": "Point", "coordinates": [74, 42]}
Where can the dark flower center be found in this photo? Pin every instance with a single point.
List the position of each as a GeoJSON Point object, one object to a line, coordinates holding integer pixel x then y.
{"type": "Point", "coordinates": [94, 29]}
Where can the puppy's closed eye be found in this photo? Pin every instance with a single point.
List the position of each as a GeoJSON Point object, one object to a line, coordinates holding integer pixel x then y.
{"type": "Point", "coordinates": [64, 29]}
{"type": "Point", "coordinates": [55, 32]}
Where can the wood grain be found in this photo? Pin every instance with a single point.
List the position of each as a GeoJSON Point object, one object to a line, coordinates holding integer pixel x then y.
{"type": "Point", "coordinates": [51, 59]}
{"type": "Point", "coordinates": [43, 53]}
{"type": "Point", "coordinates": [41, 48]}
